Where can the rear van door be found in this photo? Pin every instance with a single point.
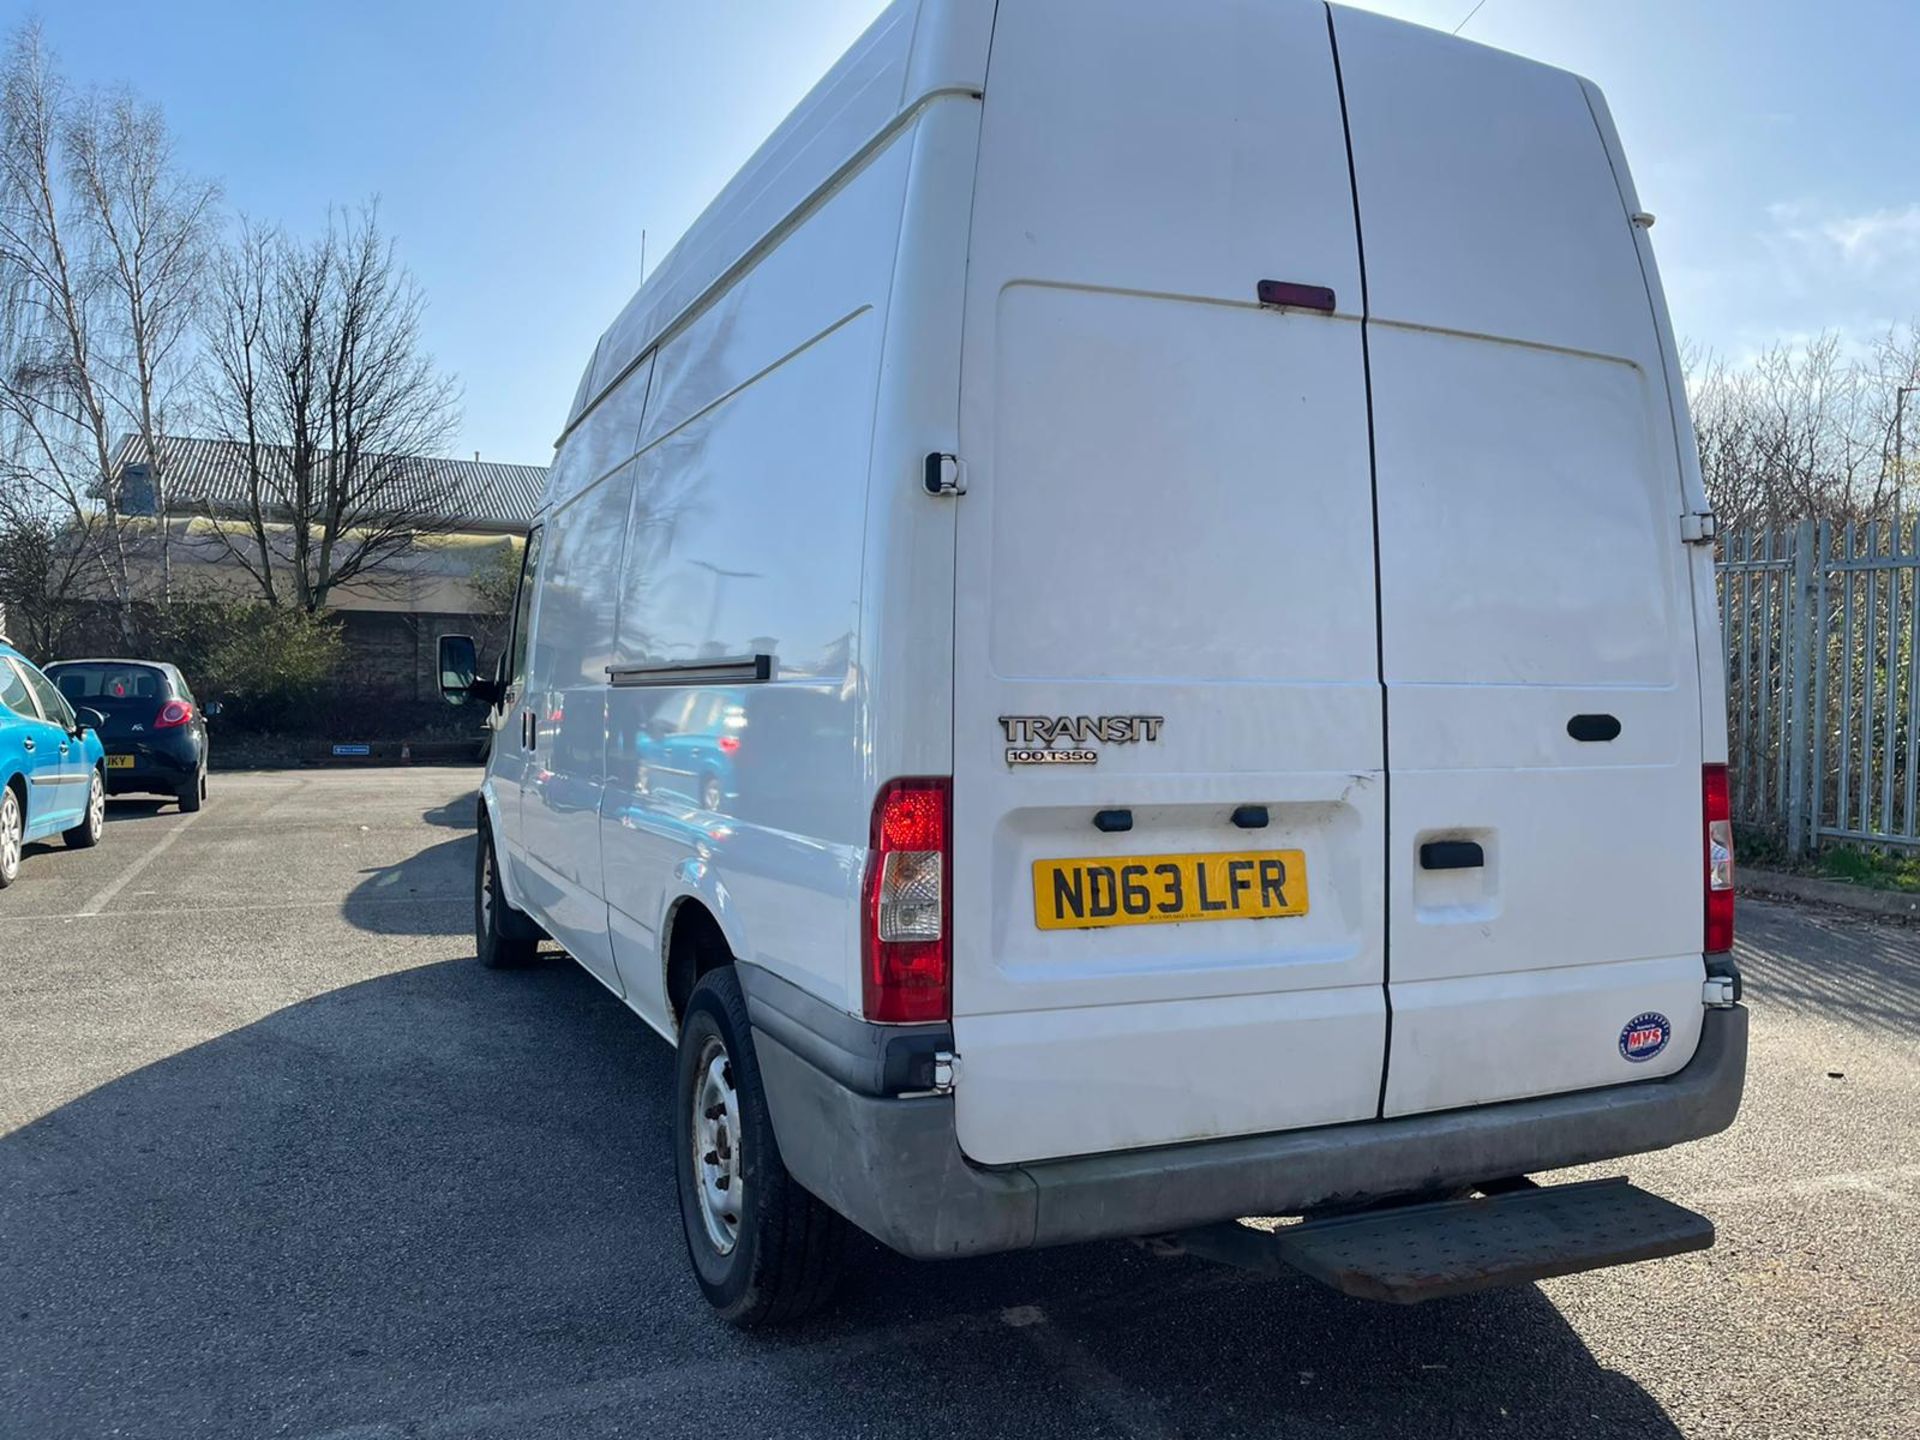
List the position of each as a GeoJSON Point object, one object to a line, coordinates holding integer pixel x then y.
{"type": "Point", "coordinates": [1538, 633]}
{"type": "Point", "coordinates": [1168, 808]}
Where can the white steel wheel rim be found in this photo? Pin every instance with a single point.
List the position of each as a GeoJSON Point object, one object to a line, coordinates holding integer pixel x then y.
{"type": "Point", "coordinates": [9, 833]}
{"type": "Point", "coordinates": [717, 1180]}
{"type": "Point", "coordinates": [96, 808]}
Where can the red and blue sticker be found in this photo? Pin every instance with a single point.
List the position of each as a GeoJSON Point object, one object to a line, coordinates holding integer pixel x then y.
{"type": "Point", "coordinates": [1645, 1036]}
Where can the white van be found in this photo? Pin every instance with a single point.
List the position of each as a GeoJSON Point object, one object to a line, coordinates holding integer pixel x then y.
{"type": "Point", "coordinates": [1120, 639]}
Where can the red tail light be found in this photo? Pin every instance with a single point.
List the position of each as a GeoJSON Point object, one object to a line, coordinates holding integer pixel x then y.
{"type": "Point", "coordinates": [907, 977]}
{"type": "Point", "coordinates": [174, 712]}
{"type": "Point", "coordinates": [729, 744]}
{"type": "Point", "coordinates": [1719, 858]}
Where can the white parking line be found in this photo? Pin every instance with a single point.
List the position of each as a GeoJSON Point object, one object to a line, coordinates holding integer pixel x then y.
{"type": "Point", "coordinates": [105, 897]}
{"type": "Point", "coordinates": [196, 911]}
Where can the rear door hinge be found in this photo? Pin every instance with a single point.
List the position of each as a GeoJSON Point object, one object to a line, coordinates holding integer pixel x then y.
{"type": "Point", "coordinates": [945, 475]}
{"type": "Point", "coordinates": [1700, 527]}
{"type": "Point", "coordinates": [946, 1070]}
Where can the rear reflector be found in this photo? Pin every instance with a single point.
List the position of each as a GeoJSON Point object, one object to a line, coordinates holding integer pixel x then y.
{"type": "Point", "coordinates": [1719, 858]}
{"type": "Point", "coordinates": [906, 977]}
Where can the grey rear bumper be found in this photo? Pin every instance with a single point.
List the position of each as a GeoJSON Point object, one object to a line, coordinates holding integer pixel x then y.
{"type": "Point", "coordinates": [894, 1168]}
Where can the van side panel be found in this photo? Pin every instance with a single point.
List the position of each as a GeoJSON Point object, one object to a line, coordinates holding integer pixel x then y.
{"type": "Point", "coordinates": [745, 538]}
{"type": "Point", "coordinates": [1532, 570]}
{"type": "Point", "coordinates": [906, 608]}
{"type": "Point", "coordinates": [1168, 515]}
{"type": "Point", "coordinates": [852, 104]}
{"type": "Point", "coordinates": [567, 689]}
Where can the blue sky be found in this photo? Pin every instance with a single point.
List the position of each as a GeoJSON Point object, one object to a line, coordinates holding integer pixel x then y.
{"type": "Point", "coordinates": [518, 149]}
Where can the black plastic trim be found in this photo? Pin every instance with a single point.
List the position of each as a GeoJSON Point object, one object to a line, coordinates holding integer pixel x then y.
{"type": "Point", "coordinates": [1452, 855]}
{"type": "Point", "coordinates": [1591, 728]}
{"type": "Point", "coordinates": [728, 670]}
{"type": "Point", "coordinates": [868, 1059]}
{"type": "Point", "coordinates": [1725, 967]}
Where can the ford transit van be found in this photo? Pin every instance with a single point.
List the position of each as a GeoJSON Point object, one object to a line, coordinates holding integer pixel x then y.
{"type": "Point", "coordinates": [1121, 638]}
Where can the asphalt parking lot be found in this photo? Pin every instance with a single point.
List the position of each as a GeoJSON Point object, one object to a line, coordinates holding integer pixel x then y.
{"type": "Point", "coordinates": [277, 1158]}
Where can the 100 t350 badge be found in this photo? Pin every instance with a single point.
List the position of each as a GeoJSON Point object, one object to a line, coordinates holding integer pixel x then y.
{"type": "Point", "coordinates": [1036, 739]}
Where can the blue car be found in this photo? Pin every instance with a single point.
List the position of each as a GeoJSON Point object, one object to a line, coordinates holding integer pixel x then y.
{"type": "Point", "coordinates": [53, 773]}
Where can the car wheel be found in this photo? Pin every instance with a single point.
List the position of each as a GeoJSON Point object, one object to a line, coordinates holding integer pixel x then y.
{"type": "Point", "coordinates": [193, 792]}
{"type": "Point", "coordinates": [711, 796]}
{"type": "Point", "coordinates": [13, 831]}
{"type": "Point", "coordinates": [502, 936]}
{"type": "Point", "coordinates": [764, 1251]}
{"type": "Point", "coordinates": [93, 825]}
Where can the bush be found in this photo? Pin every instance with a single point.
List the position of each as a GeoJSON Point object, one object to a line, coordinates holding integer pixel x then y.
{"type": "Point", "coordinates": [268, 666]}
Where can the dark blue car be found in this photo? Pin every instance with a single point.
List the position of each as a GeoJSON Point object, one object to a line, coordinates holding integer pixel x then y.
{"type": "Point", "coordinates": [52, 765]}
{"type": "Point", "coordinates": [154, 731]}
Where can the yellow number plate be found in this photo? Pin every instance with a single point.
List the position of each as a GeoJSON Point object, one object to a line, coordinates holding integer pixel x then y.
{"type": "Point", "coordinates": [1161, 889]}
{"type": "Point", "coordinates": [119, 762]}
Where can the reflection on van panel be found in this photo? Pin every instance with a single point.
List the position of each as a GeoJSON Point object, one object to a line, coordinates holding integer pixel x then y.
{"type": "Point", "coordinates": [980, 393]}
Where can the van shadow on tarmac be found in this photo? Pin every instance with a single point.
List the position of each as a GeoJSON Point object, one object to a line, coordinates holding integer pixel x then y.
{"type": "Point", "coordinates": [449, 1188]}
{"type": "Point", "coordinates": [457, 814]}
{"type": "Point", "coordinates": [428, 893]}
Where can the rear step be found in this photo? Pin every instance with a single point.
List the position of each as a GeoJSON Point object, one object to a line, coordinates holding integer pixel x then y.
{"type": "Point", "coordinates": [1422, 1252]}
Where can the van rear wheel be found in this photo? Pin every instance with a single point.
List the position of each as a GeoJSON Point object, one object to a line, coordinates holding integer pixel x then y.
{"type": "Point", "coordinates": [764, 1251]}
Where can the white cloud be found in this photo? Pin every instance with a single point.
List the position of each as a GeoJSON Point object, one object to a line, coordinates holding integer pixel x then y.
{"type": "Point", "coordinates": [1865, 244]}
{"type": "Point", "coordinates": [1873, 240]}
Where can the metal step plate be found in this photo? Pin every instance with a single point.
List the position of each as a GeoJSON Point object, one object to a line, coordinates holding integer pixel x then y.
{"type": "Point", "coordinates": [1422, 1252]}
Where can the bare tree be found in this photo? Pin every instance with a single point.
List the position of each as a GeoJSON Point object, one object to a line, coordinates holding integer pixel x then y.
{"type": "Point", "coordinates": [319, 386]}
{"type": "Point", "coordinates": [1804, 431]}
{"type": "Point", "coordinates": [104, 245]}
{"type": "Point", "coordinates": [43, 568]}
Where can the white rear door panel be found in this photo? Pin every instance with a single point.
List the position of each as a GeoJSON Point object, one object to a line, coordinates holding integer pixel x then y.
{"type": "Point", "coordinates": [1531, 571]}
{"type": "Point", "coordinates": [1168, 514]}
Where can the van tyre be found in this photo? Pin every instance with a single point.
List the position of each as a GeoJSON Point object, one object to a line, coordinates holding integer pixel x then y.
{"type": "Point", "coordinates": [93, 823]}
{"type": "Point", "coordinates": [502, 936]}
{"type": "Point", "coordinates": [764, 1251]}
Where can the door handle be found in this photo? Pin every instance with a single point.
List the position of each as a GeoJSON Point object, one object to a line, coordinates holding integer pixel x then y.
{"type": "Point", "coordinates": [1452, 855]}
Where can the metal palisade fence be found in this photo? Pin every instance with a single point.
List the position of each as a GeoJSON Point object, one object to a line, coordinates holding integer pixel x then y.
{"type": "Point", "coordinates": [1822, 627]}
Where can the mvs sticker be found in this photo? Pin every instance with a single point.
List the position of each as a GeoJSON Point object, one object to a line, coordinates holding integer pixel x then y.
{"type": "Point", "coordinates": [1645, 1036]}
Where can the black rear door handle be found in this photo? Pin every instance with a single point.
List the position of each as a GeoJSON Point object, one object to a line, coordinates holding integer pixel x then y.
{"type": "Point", "coordinates": [1452, 855]}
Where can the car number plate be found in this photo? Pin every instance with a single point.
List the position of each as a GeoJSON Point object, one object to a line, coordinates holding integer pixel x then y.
{"type": "Point", "coordinates": [119, 762]}
{"type": "Point", "coordinates": [1163, 889]}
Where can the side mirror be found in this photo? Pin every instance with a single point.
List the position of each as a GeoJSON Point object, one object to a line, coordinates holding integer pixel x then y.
{"type": "Point", "coordinates": [212, 709]}
{"type": "Point", "coordinates": [90, 718]}
{"type": "Point", "coordinates": [459, 663]}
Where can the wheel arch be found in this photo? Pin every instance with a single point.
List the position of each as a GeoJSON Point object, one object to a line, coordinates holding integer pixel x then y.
{"type": "Point", "coordinates": [693, 942]}
{"type": "Point", "coordinates": [487, 821]}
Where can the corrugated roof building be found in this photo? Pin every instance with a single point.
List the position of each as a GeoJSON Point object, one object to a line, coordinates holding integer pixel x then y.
{"type": "Point", "coordinates": [210, 476]}
{"type": "Point", "coordinates": [462, 521]}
